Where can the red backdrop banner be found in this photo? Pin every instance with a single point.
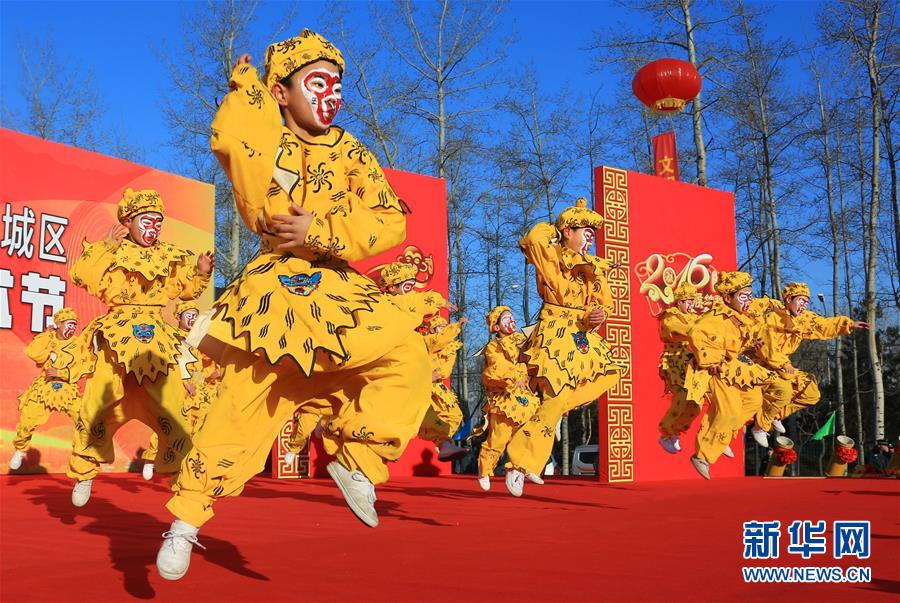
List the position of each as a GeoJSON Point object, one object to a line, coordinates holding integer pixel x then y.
{"type": "Point", "coordinates": [665, 156]}
{"type": "Point", "coordinates": [660, 233]}
{"type": "Point", "coordinates": [426, 248]}
{"type": "Point", "coordinates": [52, 197]}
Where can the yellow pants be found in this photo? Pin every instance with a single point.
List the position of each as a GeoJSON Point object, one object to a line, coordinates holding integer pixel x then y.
{"type": "Point", "coordinates": [729, 408]}
{"type": "Point", "coordinates": [680, 415]}
{"type": "Point", "coordinates": [530, 446]}
{"type": "Point", "coordinates": [32, 415]}
{"type": "Point", "coordinates": [111, 399]}
{"type": "Point", "coordinates": [443, 417]}
{"type": "Point", "coordinates": [383, 405]}
{"type": "Point", "coordinates": [785, 396]}
{"type": "Point", "coordinates": [305, 424]}
{"type": "Point", "coordinates": [501, 430]}
{"type": "Point", "coordinates": [194, 418]}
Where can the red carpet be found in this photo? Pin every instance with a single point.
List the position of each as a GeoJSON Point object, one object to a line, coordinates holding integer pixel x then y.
{"type": "Point", "coordinates": [440, 539]}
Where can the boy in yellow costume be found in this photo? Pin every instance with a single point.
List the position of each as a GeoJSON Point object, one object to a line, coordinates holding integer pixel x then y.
{"type": "Point", "coordinates": [398, 280]}
{"type": "Point", "coordinates": [785, 327]}
{"type": "Point", "coordinates": [200, 376]}
{"type": "Point", "coordinates": [568, 361]}
{"type": "Point", "coordinates": [300, 323]}
{"type": "Point", "coordinates": [63, 359]}
{"type": "Point", "coordinates": [444, 414]}
{"type": "Point", "coordinates": [731, 382]}
{"type": "Point", "coordinates": [136, 275]}
{"type": "Point", "coordinates": [510, 401]}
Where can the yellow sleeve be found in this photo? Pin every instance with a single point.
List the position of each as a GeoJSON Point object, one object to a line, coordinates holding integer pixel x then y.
{"type": "Point", "coordinates": [601, 295]}
{"type": "Point", "coordinates": [364, 220]}
{"type": "Point", "coordinates": [759, 305]}
{"type": "Point", "coordinates": [88, 269]}
{"type": "Point", "coordinates": [541, 251]}
{"type": "Point", "coordinates": [185, 282]}
{"type": "Point", "coordinates": [438, 341]}
{"type": "Point", "coordinates": [443, 364]}
{"type": "Point", "coordinates": [819, 327]}
{"type": "Point", "coordinates": [498, 371]}
{"type": "Point", "coordinates": [40, 347]}
{"type": "Point", "coordinates": [706, 340]}
{"type": "Point", "coordinates": [673, 328]}
{"type": "Point", "coordinates": [772, 351]}
{"type": "Point", "coordinates": [424, 303]}
{"type": "Point", "coordinates": [246, 137]}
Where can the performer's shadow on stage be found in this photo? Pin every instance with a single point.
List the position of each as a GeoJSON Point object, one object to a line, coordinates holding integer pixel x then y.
{"type": "Point", "coordinates": [31, 464]}
{"type": "Point", "coordinates": [133, 536]}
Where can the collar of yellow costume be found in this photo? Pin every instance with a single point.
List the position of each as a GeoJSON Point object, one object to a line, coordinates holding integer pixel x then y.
{"type": "Point", "coordinates": [396, 273]}
{"type": "Point", "coordinates": [732, 282]}
{"type": "Point", "coordinates": [135, 202]}
{"type": "Point", "coordinates": [64, 314]}
{"type": "Point", "coordinates": [150, 262]}
{"type": "Point", "coordinates": [284, 58]}
{"type": "Point", "coordinates": [571, 259]}
{"type": "Point", "coordinates": [794, 289]}
{"type": "Point", "coordinates": [578, 216]}
{"type": "Point", "coordinates": [494, 316]}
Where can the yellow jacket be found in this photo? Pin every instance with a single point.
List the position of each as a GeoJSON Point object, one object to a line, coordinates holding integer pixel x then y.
{"type": "Point", "coordinates": [300, 302]}
{"type": "Point", "coordinates": [783, 333]}
{"type": "Point", "coordinates": [136, 282]}
{"type": "Point", "coordinates": [501, 377]}
{"type": "Point", "coordinates": [71, 358]}
{"type": "Point", "coordinates": [420, 303]}
{"type": "Point", "coordinates": [673, 332]}
{"type": "Point", "coordinates": [562, 349]}
{"type": "Point", "coordinates": [442, 347]}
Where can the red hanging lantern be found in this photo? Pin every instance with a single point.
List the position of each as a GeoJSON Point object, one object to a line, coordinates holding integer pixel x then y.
{"type": "Point", "coordinates": [667, 85]}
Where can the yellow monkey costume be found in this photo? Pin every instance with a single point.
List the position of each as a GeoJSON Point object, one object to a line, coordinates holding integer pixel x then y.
{"type": "Point", "coordinates": [443, 417]}
{"type": "Point", "coordinates": [420, 303]}
{"type": "Point", "coordinates": [509, 404]}
{"type": "Point", "coordinates": [568, 361]}
{"type": "Point", "coordinates": [71, 359]}
{"type": "Point", "coordinates": [783, 334]}
{"type": "Point", "coordinates": [720, 338]}
{"type": "Point", "coordinates": [674, 325]}
{"type": "Point", "coordinates": [135, 375]}
{"type": "Point", "coordinates": [300, 325]}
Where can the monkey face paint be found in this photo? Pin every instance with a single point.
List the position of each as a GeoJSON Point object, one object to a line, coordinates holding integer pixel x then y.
{"type": "Point", "coordinates": [797, 305]}
{"type": "Point", "coordinates": [188, 317]}
{"type": "Point", "coordinates": [580, 239]}
{"type": "Point", "coordinates": [686, 305]}
{"type": "Point", "coordinates": [740, 300]}
{"type": "Point", "coordinates": [322, 90]}
{"type": "Point", "coordinates": [144, 229]}
{"type": "Point", "coordinates": [506, 325]}
{"type": "Point", "coordinates": [67, 329]}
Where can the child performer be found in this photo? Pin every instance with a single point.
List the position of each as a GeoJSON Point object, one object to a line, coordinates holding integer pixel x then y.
{"type": "Point", "coordinates": [63, 359]}
{"type": "Point", "coordinates": [568, 361]}
{"type": "Point", "coordinates": [300, 323]}
{"type": "Point", "coordinates": [136, 275]}
{"type": "Point", "coordinates": [510, 401]}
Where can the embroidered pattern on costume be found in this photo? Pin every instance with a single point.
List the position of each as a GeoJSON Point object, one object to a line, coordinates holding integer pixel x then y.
{"type": "Point", "coordinates": [581, 341]}
{"type": "Point", "coordinates": [301, 284]}
{"type": "Point", "coordinates": [143, 332]}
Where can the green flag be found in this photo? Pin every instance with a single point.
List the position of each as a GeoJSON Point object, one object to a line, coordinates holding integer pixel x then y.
{"type": "Point", "coordinates": [826, 430]}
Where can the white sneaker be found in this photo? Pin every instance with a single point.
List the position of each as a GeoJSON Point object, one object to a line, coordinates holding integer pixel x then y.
{"type": "Point", "coordinates": [728, 452]}
{"type": "Point", "coordinates": [534, 478]}
{"type": "Point", "coordinates": [174, 557]}
{"type": "Point", "coordinates": [289, 458]}
{"type": "Point", "coordinates": [515, 482]}
{"type": "Point", "coordinates": [701, 466]}
{"type": "Point", "coordinates": [559, 430]}
{"type": "Point", "coordinates": [779, 426]}
{"type": "Point", "coordinates": [358, 491]}
{"type": "Point", "coordinates": [485, 482]}
{"type": "Point", "coordinates": [147, 471]}
{"type": "Point", "coordinates": [761, 437]}
{"type": "Point", "coordinates": [668, 444]}
{"type": "Point", "coordinates": [81, 493]}
{"type": "Point", "coordinates": [448, 451]}
{"type": "Point", "coordinates": [16, 461]}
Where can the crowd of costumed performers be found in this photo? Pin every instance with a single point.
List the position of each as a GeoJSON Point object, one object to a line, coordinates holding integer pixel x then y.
{"type": "Point", "coordinates": [733, 351]}
{"type": "Point", "coordinates": [302, 335]}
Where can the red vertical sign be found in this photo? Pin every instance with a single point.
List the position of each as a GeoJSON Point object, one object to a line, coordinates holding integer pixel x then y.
{"type": "Point", "coordinates": [665, 157]}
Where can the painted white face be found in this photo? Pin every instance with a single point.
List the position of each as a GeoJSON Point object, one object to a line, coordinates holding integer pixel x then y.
{"type": "Point", "coordinates": [188, 317]}
{"type": "Point", "coordinates": [67, 329]}
{"type": "Point", "coordinates": [322, 90]}
{"type": "Point", "coordinates": [401, 288]}
{"type": "Point", "coordinates": [741, 299]}
{"type": "Point", "coordinates": [147, 227]}
{"type": "Point", "coordinates": [438, 328]}
{"type": "Point", "coordinates": [581, 239]}
{"type": "Point", "coordinates": [798, 304]}
{"type": "Point", "coordinates": [507, 324]}
{"type": "Point", "coordinates": [686, 305]}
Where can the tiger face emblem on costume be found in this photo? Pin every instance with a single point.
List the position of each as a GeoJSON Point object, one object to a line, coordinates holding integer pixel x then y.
{"type": "Point", "coordinates": [522, 400]}
{"type": "Point", "coordinates": [581, 341]}
{"type": "Point", "coordinates": [143, 332]}
{"type": "Point", "coordinates": [301, 284]}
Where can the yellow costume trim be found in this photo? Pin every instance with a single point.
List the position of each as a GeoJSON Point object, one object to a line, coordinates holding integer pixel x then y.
{"type": "Point", "coordinates": [64, 314]}
{"type": "Point", "coordinates": [684, 291]}
{"type": "Point", "coordinates": [494, 315]}
{"type": "Point", "coordinates": [674, 326]}
{"type": "Point", "coordinates": [794, 289]}
{"type": "Point", "coordinates": [732, 282]}
{"type": "Point", "coordinates": [284, 58]}
{"type": "Point", "coordinates": [135, 202]}
{"type": "Point", "coordinates": [578, 216]}
{"type": "Point", "coordinates": [420, 303]}
{"type": "Point", "coordinates": [501, 375]}
{"type": "Point", "coordinates": [396, 273]}
{"type": "Point", "coordinates": [436, 321]}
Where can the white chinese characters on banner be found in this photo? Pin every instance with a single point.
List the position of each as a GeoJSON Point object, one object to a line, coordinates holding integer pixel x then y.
{"type": "Point", "coordinates": [43, 291]}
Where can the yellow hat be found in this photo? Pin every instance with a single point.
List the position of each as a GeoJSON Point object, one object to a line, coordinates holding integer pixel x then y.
{"type": "Point", "coordinates": [794, 289]}
{"type": "Point", "coordinates": [184, 306]}
{"type": "Point", "coordinates": [435, 321]}
{"type": "Point", "coordinates": [284, 58]}
{"type": "Point", "coordinates": [494, 315]}
{"type": "Point", "coordinates": [731, 282]}
{"type": "Point", "coordinates": [139, 202]}
{"type": "Point", "coordinates": [396, 273]}
{"type": "Point", "coordinates": [685, 291]}
{"type": "Point", "coordinates": [578, 216]}
{"type": "Point", "coordinates": [64, 314]}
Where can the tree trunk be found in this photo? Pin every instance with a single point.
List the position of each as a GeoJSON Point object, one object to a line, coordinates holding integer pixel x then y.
{"type": "Point", "coordinates": [697, 105]}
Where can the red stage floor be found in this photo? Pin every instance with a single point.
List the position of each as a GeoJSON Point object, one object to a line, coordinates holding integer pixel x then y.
{"type": "Point", "coordinates": [440, 539]}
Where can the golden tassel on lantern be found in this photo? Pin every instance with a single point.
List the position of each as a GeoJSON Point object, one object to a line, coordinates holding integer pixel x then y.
{"type": "Point", "coordinates": [782, 455]}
